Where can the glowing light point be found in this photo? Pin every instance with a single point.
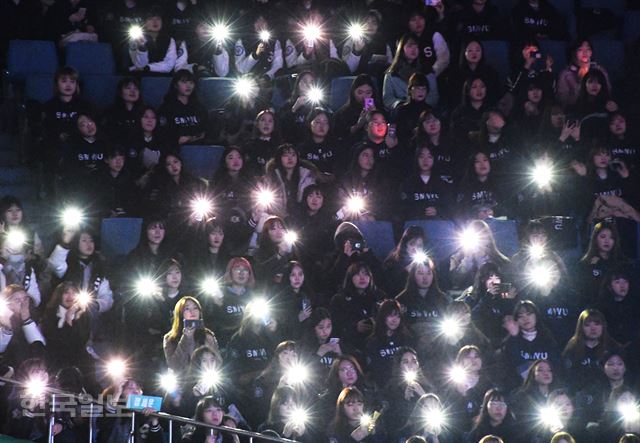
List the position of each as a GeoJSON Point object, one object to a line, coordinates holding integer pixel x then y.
{"type": "Point", "coordinates": [116, 368]}
{"type": "Point", "coordinates": [356, 31]}
{"type": "Point", "coordinates": [16, 239]}
{"type": "Point", "coordinates": [315, 95]}
{"type": "Point", "coordinates": [265, 35]}
{"type": "Point", "coordinates": [72, 217]}
{"type": "Point", "coordinates": [169, 382]}
{"type": "Point", "coordinates": [290, 237]}
{"type": "Point", "coordinates": [220, 32]}
{"type": "Point", "coordinates": [146, 287]}
{"type": "Point", "coordinates": [135, 32]}
{"type": "Point", "coordinates": [355, 204]}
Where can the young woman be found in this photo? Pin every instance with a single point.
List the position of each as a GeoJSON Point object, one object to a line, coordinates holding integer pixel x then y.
{"type": "Point", "coordinates": [180, 342]}
{"type": "Point", "coordinates": [593, 105]}
{"type": "Point", "coordinates": [494, 140]}
{"type": "Point", "coordinates": [18, 268]}
{"type": "Point", "coordinates": [407, 113]}
{"type": "Point", "coordinates": [282, 419]}
{"type": "Point", "coordinates": [350, 119]}
{"type": "Point", "coordinates": [293, 113]}
{"type": "Point", "coordinates": [429, 132]}
{"type": "Point", "coordinates": [422, 302]}
{"type": "Point", "coordinates": [472, 62]}
{"type": "Point", "coordinates": [424, 194]}
{"type": "Point", "coordinates": [400, 258]}
{"type": "Point", "coordinates": [532, 396]}
{"type": "Point", "coordinates": [274, 252]}
{"type": "Point", "coordinates": [295, 302]}
{"type": "Point", "coordinates": [529, 66]}
{"type": "Point", "coordinates": [153, 249]}
{"type": "Point", "coordinates": [354, 307]}
{"type": "Point", "coordinates": [529, 111]}
{"type": "Point", "coordinates": [426, 419]}
{"type": "Point", "coordinates": [466, 117]}
{"type": "Point", "coordinates": [210, 411]}
{"type": "Point", "coordinates": [319, 345]}
{"type": "Point", "coordinates": [564, 418]}
{"type": "Point", "coordinates": [264, 141]}
{"type": "Point", "coordinates": [389, 335]}
{"type": "Point", "coordinates": [583, 354]}
{"type": "Point", "coordinates": [147, 143]}
{"type": "Point", "coordinates": [495, 418]}
{"type": "Point", "coordinates": [229, 305]}
{"type": "Point", "coordinates": [320, 147]}
{"type": "Point", "coordinates": [122, 119]}
{"type": "Point", "coordinates": [406, 62]}
{"type": "Point", "coordinates": [465, 333]}
{"type": "Point", "coordinates": [619, 304]}
{"type": "Point", "coordinates": [210, 253]}
{"type": "Point", "coordinates": [530, 342]}
{"type": "Point", "coordinates": [622, 144]}
{"type": "Point", "coordinates": [12, 217]}
{"type": "Point", "coordinates": [570, 78]}
{"type": "Point", "coordinates": [155, 50]}
{"type": "Point", "coordinates": [346, 425]}
{"type": "Point", "coordinates": [259, 51]}
{"type": "Point", "coordinates": [183, 119]}
{"type": "Point", "coordinates": [369, 53]}
{"type": "Point", "coordinates": [289, 175]}
{"type": "Point", "coordinates": [208, 57]}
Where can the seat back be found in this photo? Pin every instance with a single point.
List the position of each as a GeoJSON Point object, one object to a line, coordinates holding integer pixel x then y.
{"type": "Point", "coordinates": [214, 92]}
{"type": "Point", "coordinates": [91, 58]}
{"type": "Point", "coordinates": [39, 87]}
{"type": "Point", "coordinates": [31, 57]}
{"type": "Point", "coordinates": [505, 233]}
{"type": "Point", "coordinates": [496, 54]}
{"type": "Point", "coordinates": [378, 236]}
{"type": "Point", "coordinates": [154, 89]}
{"type": "Point", "coordinates": [201, 160]}
{"type": "Point", "coordinates": [119, 236]}
{"type": "Point", "coordinates": [441, 237]}
{"type": "Point", "coordinates": [340, 87]}
{"type": "Point", "coordinates": [100, 90]}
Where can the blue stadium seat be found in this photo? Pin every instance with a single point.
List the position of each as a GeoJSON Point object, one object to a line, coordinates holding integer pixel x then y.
{"type": "Point", "coordinates": [201, 161]}
{"type": "Point", "coordinates": [118, 236]}
{"type": "Point", "coordinates": [631, 30]}
{"type": "Point", "coordinates": [91, 58]}
{"type": "Point", "coordinates": [214, 92]}
{"type": "Point", "coordinates": [496, 54]}
{"type": "Point", "coordinates": [154, 89]}
{"type": "Point", "coordinates": [441, 237]}
{"type": "Point", "coordinates": [340, 87]}
{"type": "Point", "coordinates": [39, 87]}
{"type": "Point", "coordinates": [610, 54]}
{"type": "Point", "coordinates": [100, 90]}
{"type": "Point", "coordinates": [30, 57]}
{"type": "Point", "coordinates": [378, 236]}
{"type": "Point", "coordinates": [558, 50]}
{"type": "Point", "coordinates": [615, 6]}
{"type": "Point", "coordinates": [505, 232]}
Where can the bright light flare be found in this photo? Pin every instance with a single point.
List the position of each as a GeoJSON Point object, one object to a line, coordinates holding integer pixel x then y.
{"type": "Point", "coordinates": [291, 237]}
{"type": "Point", "coordinates": [220, 32]}
{"type": "Point", "coordinates": [265, 197]}
{"type": "Point", "coordinates": [536, 250]}
{"type": "Point", "coordinates": [629, 411]}
{"type": "Point", "coordinates": [84, 299]}
{"type": "Point", "coordinates": [542, 174]}
{"type": "Point", "coordinates": [245, 88]}
{"type": "Point", "coordinates": [311, 33]}
{"type": "Point", "coordinates": [265, 35]}
{"type": "Point", "coordinates": [356, 31]}
{"type": "Point", "coordinates": [410, 377]}
{"type": "Point", "coordinates": [355, 204]}
{"type": "Point", "coordinates": [297, 374]}
{"type": "Point", "coordinates": [116, 368]}
{"type": "Point", "coordinates": [201, 207]}
{"type": "Point", "coordinates": [299, 416]}
{"type": "Point", "coordinates": [420, 257]}
{"type": "Point", "coordinates": [541, 275]}
{"type": "Point", "coordinates": [469, 239]}
{"type": "Point", "coordinates": [36, 386]}
{"type": "Point", "coordinates": [16, 239]}
{"type": "Point", "coordinates": [315, 95]}
{"type": "Point", "coordinates": [549, 416]}
{"type": "Point", "coordinates": [72, 217]}
{"type": "Point", "coordinates": [450, 327]}
{"type": "Point", "coordinates": [435, 418]}
{"type": "Point", "coordinates": [146, 287]}
{"type": "Point", "coordinates": [211, 378]}
{"type": "Point", "coordinates": [458, 375]}
{"type": "Point", "coordinates": [365, 420]}
{"type": "Point", "coordinates": [135, 32]}
{"type": "Point", "coordinates": [258, 307]}
{"type": "Point", "coordinates": [169, 382]}
{"type": "Point", "coordinates": [210, 286]}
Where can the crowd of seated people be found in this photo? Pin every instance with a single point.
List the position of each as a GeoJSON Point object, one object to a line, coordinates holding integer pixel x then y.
{"type": "Point", "coordinates": [254, 299]}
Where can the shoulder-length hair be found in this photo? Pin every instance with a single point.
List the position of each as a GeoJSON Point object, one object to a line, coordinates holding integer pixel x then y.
{"type": "Point", "coordinates": [348, 287]}
{"type": "Point", "coordinates": [398, 59]}
{"type": "Point", "coordinates": [592, 249]}
{"type": "Point", "coordinates": [333, 381]}
{"type": "Point", "coordinates": [576, 344]}
{"type": "Point", "coordinates": [411, 233]}
{"type": "Point", "coordinates": [434, 290]}
{"type": "Point", "coordinates": [483, 417]}
{"type": "Point", "coordinates": [239, 261]}
{"type": "Point", "coordinates": [387, 308]}
{"type": "Point", "coordinates": [178, 323]}
{"type": "Point", "coordinates": [340, 424]}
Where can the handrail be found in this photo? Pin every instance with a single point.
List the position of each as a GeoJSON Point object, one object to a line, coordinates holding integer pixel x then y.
{"type": "Point", "coordinates": [161, 415]}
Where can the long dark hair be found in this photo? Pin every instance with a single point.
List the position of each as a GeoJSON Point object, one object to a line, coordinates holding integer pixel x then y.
{"type": "Point", "coordinates": [483, 418]}
{"type": "Point", "coordinates": [348, 288]}
{"type": "Point", "coordinates": [399, 253]}
{"type": "Point", "coordinates": [387, 308]}
{"type": "Point", "coordinates": [398, 59]}
{"type": "Point", "coordinates": [123, 83]}
{"type": "Point", "coordinates": [182, 75]}
{"type": "Point", "coordinates": [434, 292]}
{"type": "Point", "coordinates": [592, 249]}
{"type": "Point", "coordinates": [576, 347]}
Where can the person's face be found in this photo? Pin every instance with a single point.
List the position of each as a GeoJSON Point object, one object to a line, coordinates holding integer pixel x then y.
{"type": "Point", "coordinates": [266, 125]}
{"type": "Point", "coordinates": [353, 410]}
{"type": "Point", "coordinates": [417, 24]}
{"type": "Point", "coordinates": [149, 121]}
{"type": "Point", "coordinates": [497, 409]}
{"type": "Point", "coordinates": [13, 215]}
{"type": "Point", "coordinates": [366, 160]}
{"type": "Point", "coordinates": [564, 407]}
{"type": "Point", "coordinates": [131, 388]}
{"type": "Point", "coordinates": [289, 159]}
{"type": "Point", "coordinates": [618, 125]}
{"type": "Point", "coordinates": [153, 24]}
{"type": "Point", "coordinates": [527, 321]}
{"type": "Point", "coordinates": [260, 24]}
{"type": "Point", "coordinates": [418, 93]}
{"type": "Point", "coordinates": [543, 374]}
{"type": "Point", "coordinates": [534, 95]}
{"type": "Point", "coordinates": [86, 245]}
{"type": "Point", "coordinates": [414, 245]}
{"type": "Point", "coordinates": [87, 126]}
{"type": "Point", "coordinates": [323, 329]}
{"type": "Point", "coordinates": [593, 86]}
{"type": "Point", "coordinates": [370, 26]}
{"type": "Point", "coordinates": [233, 161]}
{"type": "Point", "coordinates": [130, 93]}
{"type": "Point", "coordinates": [495, 123]}
{"type": "Point", "coordinates": [174, 277]}
{"type": "Point", "coordinates": [409, 362]}
{"type": "Point", "coordinates": [392, 321]}
{"type": "Point", "coordinates": [305, 84]}
{"type": "Point", "coordinates": [185, 87]}
{"type": "Point", "coordinates": [320, 126]}
{"type": "Point", "coordinates": [208, 360]}
{"type": "Point", "coordinates": [538, 237]}
{"type": "Point", "coordinates": [584, 53]}
{"type": "Point", "coordinates": [155, 233]}
{"type": "Point", "coordinates": [276, 232]}
{"type": "Point", "coordinates": [213, 415]}
{"type": "Point", "coordinates": [424, 276]}
{"type": "Point", "coordinates": [287, 357]}
{"type": "Point", "coordinates": [411, 51]}
{"type": "Point", "coordinates": [473, 52]}
{"type": "Point", "coordinates": [116, 163]}
{"type": "Point", "coordinates": [216, 237]}
{"type": "Point", "coordinates": [378, 126]}
{"type": "Point", "coordinates": [315, 200]}
{"type": "Point", "coordinates": [287, 408]}
{"type": "Point", "coordinates": [472, 361]}
{"type": "Point", "coordinates": [558, 118]}
{"type": "Point", "coordinates": [296, 278]}
{"type": "Point", "coordinates": [432, 125]}
{"type": "Point", "coordinates": [347, 373]}
{"type": "Point", "coordinates": [592, 330]}
{"type": "Point", "coordinates": [240, 275]}
{"type": "Point", "coordinates": [601, 159]}
{"type": "Point", "coordinates": [478, 90]}
{"type": "Point", "coordinates": [620, 286]}
{"type": "Point", "coordinates": [481, 165]}
{"type": "Point", "coordinates": [605, 241]}
{"type": "Point", "coordinates": [614, 368]}
{"type": "Point", "coordinates": [68, 298]}
{"type": "Point", "coordinates": [173, 166]}
{"type": "Point", "coordinates": [492, 281]}
{"type": "Point", "coordinates": [15, 301]}
{"type": "Point", "coordinates": [361, 279]}
{"type": "Point", "coordinates": [362, 92]}
{"type": "Point", "coordinates": [425, 160]}
{"type": "Point", "coordinates": [190, 311]}
{"type": "Point", "coordinates": [67, 86]}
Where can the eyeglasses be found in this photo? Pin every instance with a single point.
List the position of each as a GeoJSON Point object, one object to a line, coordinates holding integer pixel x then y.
{"type": "Point", "coordinates": [348, 370]}
{"type": "Point", "coordinates": [240, 270]}
{"type": "Point", "coordinates": [497, 404]}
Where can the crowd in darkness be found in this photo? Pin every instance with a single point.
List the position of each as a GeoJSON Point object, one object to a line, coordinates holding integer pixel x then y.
{"type": "Point", "coordinates": [254, 288]}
